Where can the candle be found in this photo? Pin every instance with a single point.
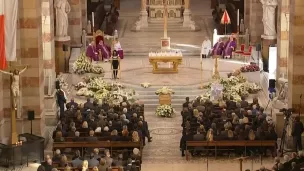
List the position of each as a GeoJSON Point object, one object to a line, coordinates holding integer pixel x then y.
{"type": "Point", "coordinates": [93, 21]}
{"type": "Point", "coordinates": [238, 17]}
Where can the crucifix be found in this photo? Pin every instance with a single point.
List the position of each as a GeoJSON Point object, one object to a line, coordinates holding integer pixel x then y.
{"type": "Point", "coordinates": [165, 18]}
{"type": "Point", "coordinates": [14, 73]}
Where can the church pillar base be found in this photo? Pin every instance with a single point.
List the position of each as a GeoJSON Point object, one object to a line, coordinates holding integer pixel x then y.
{"type": "Point", "coordinates": [188, 21]}
{"type": "Point", "coordinates": [266, 43]}
{"type": "Point", "coordinates": [143, 19]}
{"type": "Point", "coordinates": [62, 53]}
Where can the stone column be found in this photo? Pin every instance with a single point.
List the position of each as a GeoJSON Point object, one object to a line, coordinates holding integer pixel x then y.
{"type": "Point", "coordinates": [84, 17]}
{"type": "Point", "coordinates": [283, 38]}
{"type": "Point", "coordinates": [75, 22]}
{"type": "Point", "coordinates": [143, 22]}
{"type": "Point", "coordinates": [296, 53]}
{"type": "Point", "coordinates": [31, 48]}
{"type": "Point", "coordinates": [254, 14]}
{"type": "Point", "coordinates": [187, 14]}
{"type": "Point", "coordinates": [49, 60]}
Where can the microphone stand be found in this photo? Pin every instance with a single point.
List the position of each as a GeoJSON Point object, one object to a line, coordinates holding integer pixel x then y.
{"type": "Point", "coordinates": [300, 105]}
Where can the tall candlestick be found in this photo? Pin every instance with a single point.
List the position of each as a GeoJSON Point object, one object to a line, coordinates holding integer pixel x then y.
{"type": "Point", "coordinates": [238, 17]}
{"type": "Point", "coordinates": [93, 22]}
{"type": "Point", "coordinates": [165, 19]}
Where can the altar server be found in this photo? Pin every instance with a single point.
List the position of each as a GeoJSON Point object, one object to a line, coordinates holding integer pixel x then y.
{"type": "Point", "coordinates": [229, 47]}
{"type": "Point", "coordinates": [117, 47]}
{"type": "Point", "coordinates": [91, 51]}
{"type": "Point", "coordinates": [206, 47]}
{"type": "Point", "coordinates": [218, 47]}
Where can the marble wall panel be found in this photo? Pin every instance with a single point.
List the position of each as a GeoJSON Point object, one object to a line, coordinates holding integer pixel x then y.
{"type": "Point", "coordinates": [295, 59]}
{"type": "Point", "coordinates": [75, 21]}
{"type": "Point", "coordinates": [255, 16]}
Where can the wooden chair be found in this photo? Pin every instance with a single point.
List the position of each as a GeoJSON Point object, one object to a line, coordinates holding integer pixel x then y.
{"type": "Point", "coordinates": [247, 54]}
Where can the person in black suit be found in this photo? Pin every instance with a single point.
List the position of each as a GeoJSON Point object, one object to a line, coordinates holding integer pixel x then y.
{"type": "Point", "coordinates": [297, 131]}
{"type": "Point", "coordinates": [186, 137]}
{"type": "Point", "coordinates": [91, 138]}
{"type": "Point", "coordinates": [88, 105]}
{"type": "Point", "coordinates": [72, 103]}
{"type": "Point", "coordinates": [187, 102]}
{"type": "Point", "coordinates": [231, 104]}
{"type": "Point", "coordinates": [77, 138]}
{"type": "Point", "coordinates": [61, 100]}
{"type": "Point", "coordinates": [244, 103]}
{"type": "Point", "coordinates": [145, 127]}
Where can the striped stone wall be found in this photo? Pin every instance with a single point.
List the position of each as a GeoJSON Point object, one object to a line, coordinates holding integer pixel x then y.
{"type": "Point", "coordinates": [75, 22]}
{"type": "Point", "coordinates": [247, 14]}
{"type": "Point", "coordinates": [296, 53]}
{"type": "Point", "coordinates": [31, 48]}
{"type": "Point", "coordinates": [255, 20]}
{"type": "Point", "coordinates": [283, 38]}
{"type": "Point", "coordinates": [48, 43]}
{"type": "Point", "coordinates": [84, 13]}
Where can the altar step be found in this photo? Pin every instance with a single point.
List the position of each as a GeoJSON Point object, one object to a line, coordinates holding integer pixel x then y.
{"type": "Point", "coordinates": [157, 26]}
{"type": "Point", "coordinates": [151, 101]}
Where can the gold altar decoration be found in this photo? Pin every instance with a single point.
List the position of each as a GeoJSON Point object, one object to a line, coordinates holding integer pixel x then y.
{"type": "Point", "coordinates": [165, 99]}
{"type": "Point", "coordinates": [216, 74]}
{"type": "Point", "coordinates": [175, 60]}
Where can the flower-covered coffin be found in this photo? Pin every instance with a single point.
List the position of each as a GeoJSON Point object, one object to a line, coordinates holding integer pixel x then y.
{"type": "Point", "coordinates": [164, 99]}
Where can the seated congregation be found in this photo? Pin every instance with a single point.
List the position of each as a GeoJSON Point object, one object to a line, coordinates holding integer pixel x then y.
{"type": "Point", "coordinates": [102, 137]}
{"type": "Point", "coordinates": [238, 122]}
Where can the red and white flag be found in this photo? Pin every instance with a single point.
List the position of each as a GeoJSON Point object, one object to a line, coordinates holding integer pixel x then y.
{"type": "Point", "coordinates": [8, 31]}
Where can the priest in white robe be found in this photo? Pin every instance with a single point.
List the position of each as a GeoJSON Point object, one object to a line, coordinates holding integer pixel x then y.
{"type": "Point", "coordinates": [206, 47]}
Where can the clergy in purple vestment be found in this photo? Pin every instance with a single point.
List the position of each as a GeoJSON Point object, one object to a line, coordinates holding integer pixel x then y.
{"type": "Point", "coordinates": [91, 51]}
{"type": "Point", "coordinates": [104, 50]}
{"type": "Point", "coordinates": [218, 48]}
{"type": "Point", "coordinates": [229, 47]}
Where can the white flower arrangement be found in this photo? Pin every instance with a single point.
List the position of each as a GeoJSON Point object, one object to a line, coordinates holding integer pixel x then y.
{"type": "Point", "coordinates": [164, 91]}
{"type": "Point", "coordinates": [83, 65]}
{"type": "Point", "coordinates": [145, 85]}
{"type": "Point", "coordinates": [165, 111]}
{"type": "Point", "coordinates": [234, 86]}
{"type": "Point", "coordinates": [99, 89]}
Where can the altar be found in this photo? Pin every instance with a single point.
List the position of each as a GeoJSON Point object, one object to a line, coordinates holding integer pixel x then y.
{"type": "Point", "coordinates": [175, 58]}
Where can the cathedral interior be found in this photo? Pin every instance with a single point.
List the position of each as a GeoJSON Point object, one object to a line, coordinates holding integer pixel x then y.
{"type": "Point", "coordinates": [162, 62]}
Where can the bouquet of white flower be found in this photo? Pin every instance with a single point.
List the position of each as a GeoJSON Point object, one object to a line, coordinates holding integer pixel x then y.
{"type": "Point", "coordinates": [165, 111]}
{"type": "Point", "coordinates": [234, 86]}
{"type": "Point", "coordinates": [99, 89]}
{"type": "Point", "coordinates": [164, 91]}
{"type": "Point", "coordinates": [83, 65]}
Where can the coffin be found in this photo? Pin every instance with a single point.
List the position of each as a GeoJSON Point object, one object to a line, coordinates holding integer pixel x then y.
{"type": "Point", "coordinates": [164, 99]}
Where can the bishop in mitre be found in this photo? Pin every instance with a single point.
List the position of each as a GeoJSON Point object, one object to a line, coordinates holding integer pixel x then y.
{"type": "Point", "coordinates": [206, 47]}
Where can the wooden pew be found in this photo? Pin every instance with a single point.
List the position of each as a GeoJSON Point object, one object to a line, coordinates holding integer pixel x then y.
{"type": "Point", "coordinates": [77, 169]}
{"type": "Point", "coordinates": [99, 144]}
{"type": "Point", "coordinates": [235, 143]}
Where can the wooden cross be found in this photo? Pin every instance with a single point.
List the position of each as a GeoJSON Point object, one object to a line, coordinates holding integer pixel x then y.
{"type": "Point", "coordinates": [165, 18]}
{"type": "Point", "coordinates": [12, 68]}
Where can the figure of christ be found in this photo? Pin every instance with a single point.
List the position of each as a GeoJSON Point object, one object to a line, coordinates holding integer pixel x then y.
{"type": "Point", "coordinates": [117, 47]}
{"type": "Point", "coordinates": [229, 47]}
{"type": "Point", "coordinates": [15, 87]}
{"type": "Point", "coordinates": [218, 48]}
{"type": "Point", "coordinates": [104, 51]}
{"type": "Point", "coordinates": [91, 52]}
